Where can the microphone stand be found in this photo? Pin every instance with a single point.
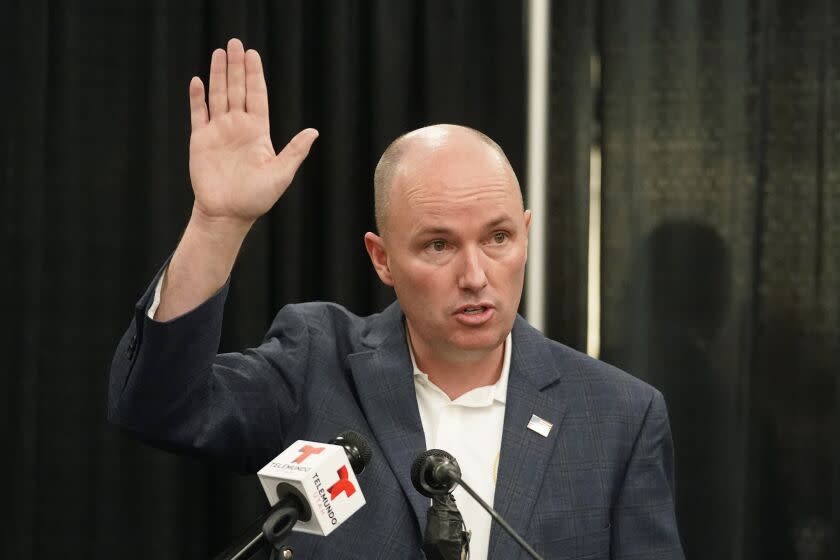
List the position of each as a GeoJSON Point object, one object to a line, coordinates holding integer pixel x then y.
{"type": "Point", "coordinates": [275, 526]}
{"type": "Point", "coordinates": [446, 537]}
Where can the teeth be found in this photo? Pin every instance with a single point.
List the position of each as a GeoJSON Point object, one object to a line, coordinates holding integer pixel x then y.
{"type": "Point", "coordinates": [473, 310]}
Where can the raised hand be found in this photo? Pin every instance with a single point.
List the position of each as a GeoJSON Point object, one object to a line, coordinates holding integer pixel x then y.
{"type": "Point", "coordinates": [235, 173]}
{"type": "Point", "coordinates": [236, 177]}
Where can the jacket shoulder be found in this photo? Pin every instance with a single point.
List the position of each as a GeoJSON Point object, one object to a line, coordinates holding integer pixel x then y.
{"type": "Point", "coordinates": [602, 379]}
{"type": "Point", "coordinates": [326, 321]}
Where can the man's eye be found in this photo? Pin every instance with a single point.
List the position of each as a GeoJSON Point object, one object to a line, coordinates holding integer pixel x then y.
{"type": "Point", "coordinates": [500, 237]}
{"type": "Point", "coordinates": [438, 245]}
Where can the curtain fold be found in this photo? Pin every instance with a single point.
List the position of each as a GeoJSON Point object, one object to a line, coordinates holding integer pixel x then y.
{"type": "Point", "coordinates": [572, 129]}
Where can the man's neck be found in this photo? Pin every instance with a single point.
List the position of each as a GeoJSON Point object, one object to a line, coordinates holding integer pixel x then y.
{"type": "Point", "coordinates": [457, 376]}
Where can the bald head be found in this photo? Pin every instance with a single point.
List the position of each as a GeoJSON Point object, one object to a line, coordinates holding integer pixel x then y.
{"type": "Point", "coordinates": [418, 145]}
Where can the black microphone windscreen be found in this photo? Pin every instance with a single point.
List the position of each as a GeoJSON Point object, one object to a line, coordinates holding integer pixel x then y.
{"type": "Point", "coordinates": [422, 468]}
{"type": "Point", "coordinates": [357, 448]}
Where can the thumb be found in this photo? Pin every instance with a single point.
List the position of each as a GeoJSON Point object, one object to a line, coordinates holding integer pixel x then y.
{"type": "Point", "coordinates": [287, 162]}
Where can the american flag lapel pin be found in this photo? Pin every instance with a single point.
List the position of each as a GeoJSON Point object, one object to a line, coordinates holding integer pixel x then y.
{"type": "Point", "coordinates": [537, 424]}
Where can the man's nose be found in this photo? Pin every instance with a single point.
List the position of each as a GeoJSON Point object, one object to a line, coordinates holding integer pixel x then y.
{"type": "Point", "coordinates": [473, 277]}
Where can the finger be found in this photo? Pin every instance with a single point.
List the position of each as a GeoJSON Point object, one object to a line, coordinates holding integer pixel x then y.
{"type": "Point", "coordinates": [198, 108]}
{"type": "Point", "coordinates": [236, 75]}
{"type": "Point", "coordinates": [256, 96]}
{"type": "Point", "coordinates": [289, 159]}
{"type": "Point", "coordinates": [218, 84]}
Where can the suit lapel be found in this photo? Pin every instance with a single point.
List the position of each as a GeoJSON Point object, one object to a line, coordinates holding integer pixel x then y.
{"type": "Point", "coordinates": [385, 385]}
{"type": "Point", "coordinates": [524, 453]}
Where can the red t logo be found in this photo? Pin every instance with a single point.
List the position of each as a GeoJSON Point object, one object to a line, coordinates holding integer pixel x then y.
{"type": "Point", "coordinates": [343, 485]}
{"type": "Point", "coordinates": [306, 451]}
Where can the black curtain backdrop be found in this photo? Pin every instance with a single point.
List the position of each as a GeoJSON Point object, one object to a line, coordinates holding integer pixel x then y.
{"type": "Point", "coordinates": [719, 123]}
{"type": "Point", "coordinates": [96, 192]}
{"type": "Point", "coordinates": [721, 257]}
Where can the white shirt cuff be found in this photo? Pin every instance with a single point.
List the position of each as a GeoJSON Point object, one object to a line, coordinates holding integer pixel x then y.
{"type": "Point", "coordinates": [156, 301]}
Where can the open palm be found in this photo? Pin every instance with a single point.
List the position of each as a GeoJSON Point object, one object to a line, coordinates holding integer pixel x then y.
{"type": "Point", "coordinates": [234, 171]}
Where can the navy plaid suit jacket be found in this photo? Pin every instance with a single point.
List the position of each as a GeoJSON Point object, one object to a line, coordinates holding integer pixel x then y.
{"type": "Point", "coordinates": [599, 486]}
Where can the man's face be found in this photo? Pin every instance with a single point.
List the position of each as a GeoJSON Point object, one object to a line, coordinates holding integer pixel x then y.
{"type": "Point", "coordinates": [455, 246]}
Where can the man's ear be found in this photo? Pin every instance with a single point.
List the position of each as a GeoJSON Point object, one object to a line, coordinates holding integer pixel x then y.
{"type": "Point", "coordinates": [527, 229]}
{"type": "Point", "coordinates": [378, 257]}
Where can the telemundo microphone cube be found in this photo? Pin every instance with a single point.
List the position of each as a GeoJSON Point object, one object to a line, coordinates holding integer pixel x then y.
{"type": "Point", "coordinates": [322, 474]}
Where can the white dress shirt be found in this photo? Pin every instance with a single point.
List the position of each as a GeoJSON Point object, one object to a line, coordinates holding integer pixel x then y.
{"type": "Point", "coordinates": [470, 429]}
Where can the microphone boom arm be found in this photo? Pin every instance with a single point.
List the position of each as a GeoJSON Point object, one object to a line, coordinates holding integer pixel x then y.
{"type": "Point", "coordinates": [496, 517]}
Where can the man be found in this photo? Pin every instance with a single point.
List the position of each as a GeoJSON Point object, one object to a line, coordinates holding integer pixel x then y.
{"type": "Point", "coordinates": [574, 453]}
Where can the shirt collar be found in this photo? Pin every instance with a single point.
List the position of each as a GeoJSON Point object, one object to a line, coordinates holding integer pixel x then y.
{"type": "Point", "coordinates": [480, 396]}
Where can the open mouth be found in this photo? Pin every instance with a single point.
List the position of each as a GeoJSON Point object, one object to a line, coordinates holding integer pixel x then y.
{"type": "Point", "coordinates": [475, 314]}
{"type": "Point", "coordinates": [474, 310]}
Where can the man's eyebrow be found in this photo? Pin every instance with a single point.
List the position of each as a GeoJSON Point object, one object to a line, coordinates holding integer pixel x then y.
{"type": "Point", "coordinates": [441, 230]}
{"type": "Point", "coordinates": [433, 230]}
{"type": "Point", "coordinates": [501, 220]}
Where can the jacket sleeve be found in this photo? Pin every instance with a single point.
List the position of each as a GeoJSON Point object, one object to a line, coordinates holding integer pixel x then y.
{"type": "Point", "coordinates": [169, 387]}
{"type": "Point", "coordinates": [644, 523]}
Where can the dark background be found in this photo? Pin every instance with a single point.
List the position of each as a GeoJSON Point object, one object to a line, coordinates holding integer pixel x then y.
{"type": "Point", "coordinates": [719, 126]}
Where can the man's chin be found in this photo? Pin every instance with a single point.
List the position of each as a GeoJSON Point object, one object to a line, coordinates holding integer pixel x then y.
{"type": "Point", "coordinates": [477, 343]}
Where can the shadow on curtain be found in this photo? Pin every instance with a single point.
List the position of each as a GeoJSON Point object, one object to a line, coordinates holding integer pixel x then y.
{"type": "Point", "coordinates": [721, 258]}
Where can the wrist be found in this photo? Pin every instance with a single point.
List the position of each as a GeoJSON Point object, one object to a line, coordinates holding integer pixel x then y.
{"type": "Point", "coordinates": [219, 228]}
{"type": "Point", "coordinates": [201, 263]}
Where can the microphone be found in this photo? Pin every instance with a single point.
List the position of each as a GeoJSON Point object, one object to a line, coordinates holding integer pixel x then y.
{"type": "Point", "coordinates": [446, 536]}
{"type": "Point", "coordinates": [436, 472]}
{"type": "Point", "coordinates": [311, 490]}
